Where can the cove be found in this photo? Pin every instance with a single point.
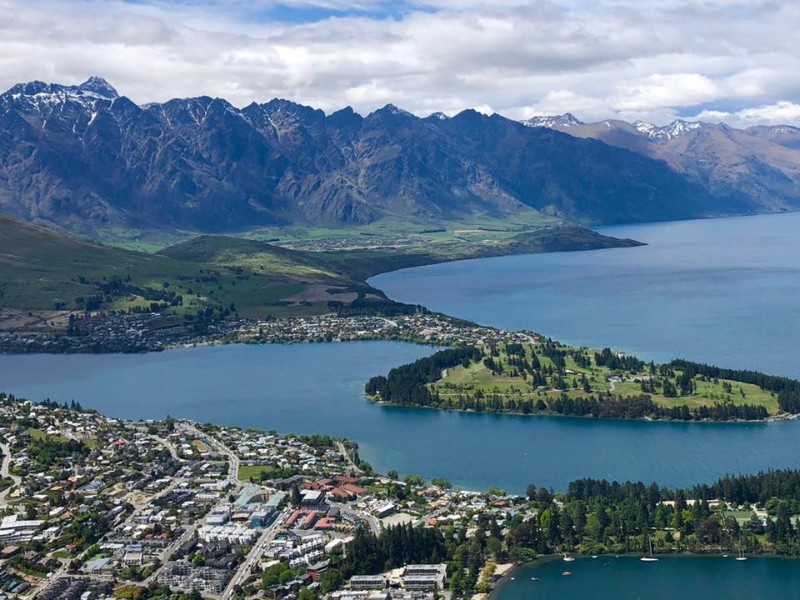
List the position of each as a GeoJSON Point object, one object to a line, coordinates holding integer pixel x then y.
{"type": "Point", "coordinates": [626, 578]}
{"type": "Point", "coordinates": [318, 388]}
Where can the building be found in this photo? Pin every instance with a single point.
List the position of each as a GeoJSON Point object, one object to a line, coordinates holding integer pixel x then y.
{"type": "Point", "coordinates": [424, 577]}
{"type": "Point", "coordinates": [134, 555]}
{"type": "Point", "coordinates": [385, 510]}
{"type": "Point", "coordinates": [312, 498]}
{"type": "Point", "coordinates": [367, 582]}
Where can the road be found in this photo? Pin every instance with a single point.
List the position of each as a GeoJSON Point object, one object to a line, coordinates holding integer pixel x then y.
{"type": "Point", "coordinates": [255, 554]}
{"type": "Point", "coordinates": [355, 515]}
{"type": "Point", "coordinates": [168, 446]}
{"type": "Point", "coordinates": [5, 472]}
{"type": "Point", "coordinates": [348, 458]}
{"type": "Point", "coordinates": [169, 551]}
{"type": "Point", "coordinates": [233, 460]}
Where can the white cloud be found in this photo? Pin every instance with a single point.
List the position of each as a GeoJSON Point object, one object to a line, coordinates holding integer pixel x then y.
{"type": "Point", "coordinates": [779, 113]}
{"type": "Point", "coordinates": [649, 59]}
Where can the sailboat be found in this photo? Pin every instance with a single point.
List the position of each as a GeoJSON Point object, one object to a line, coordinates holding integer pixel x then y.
{"type": "Point", "coordinates": [649, 557]}
{"type": "Point", "coordinates": [741, 555]}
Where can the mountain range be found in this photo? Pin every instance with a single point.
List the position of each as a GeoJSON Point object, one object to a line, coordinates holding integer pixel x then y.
{"type": "Point", "coordinates": [758, 166]}
{"type": "Point", "coordinates": [83, 157]}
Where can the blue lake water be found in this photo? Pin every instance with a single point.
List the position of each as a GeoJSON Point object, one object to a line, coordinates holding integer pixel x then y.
{"type": "Point", "coordinates": [719, 290]}
{"type": "Point", "coordinates": [723, 291]}
{"type": "Point", "coordinates": [312, 388]}
{"type": "Point", "coordinates": [626, 578]}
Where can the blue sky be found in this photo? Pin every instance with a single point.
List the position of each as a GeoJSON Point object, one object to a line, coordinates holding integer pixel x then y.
{"type": "Point", "coordinates": [302, 11]}
{"type": "Point", "coordinates": [721, 60]}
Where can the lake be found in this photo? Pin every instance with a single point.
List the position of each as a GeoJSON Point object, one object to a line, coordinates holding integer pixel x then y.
{"type": "Point", "coordinates": [720, 290]}
{"type": "Point", "coordinates": [310, 388]}
{"type": "Point", "coordinates": [626, 578]}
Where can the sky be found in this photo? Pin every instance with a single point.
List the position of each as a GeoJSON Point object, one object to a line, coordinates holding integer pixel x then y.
{"type": "Point", "coordinates": [654, 60]}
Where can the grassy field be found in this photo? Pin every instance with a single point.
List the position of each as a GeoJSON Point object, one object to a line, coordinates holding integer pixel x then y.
{"type": "Point", "coordinates": [38, 434]}
{"type": "Point", "coordinates": [577, 380]}
{"type": "Point", "coordinates": [248, 471]}
{"type": "Point", "coordinates": [386, 231]}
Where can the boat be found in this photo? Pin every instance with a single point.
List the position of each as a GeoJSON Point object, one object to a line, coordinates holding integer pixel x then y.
{"type": "Point", "coordinates": [649, 557]}
{"type": "Point", "coordinates": [566, 574]}
{"type": "Point", "coordinates": [568, 558]}
{"type": "Point", "coordinates": [534, 579]}
{"type": "Point", "coordinates": [741, 554]}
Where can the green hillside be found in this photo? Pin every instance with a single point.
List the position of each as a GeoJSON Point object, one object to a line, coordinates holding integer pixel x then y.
{"type": "Point", "coordinates": [47, 270]}
{"type": "Point", "coordinates": [46, 273]}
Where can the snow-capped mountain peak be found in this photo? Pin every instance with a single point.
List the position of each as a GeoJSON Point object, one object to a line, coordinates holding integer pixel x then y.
{"type": "Point", "coordinates": [551, 121]}
{"type": "Point", "coordinates": [667, 132]}
{"type": "Point", "coordinates": [99, 87]}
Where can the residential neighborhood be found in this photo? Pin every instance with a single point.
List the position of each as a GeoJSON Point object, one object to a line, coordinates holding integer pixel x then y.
{"type": "Point", "coordinates": [96, 507]}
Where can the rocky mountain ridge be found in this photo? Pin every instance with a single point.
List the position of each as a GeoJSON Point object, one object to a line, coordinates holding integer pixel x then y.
{"type": "Point", "coordinates": [84, 157]}
{"type": "Point", "coordinates": [759, 166]}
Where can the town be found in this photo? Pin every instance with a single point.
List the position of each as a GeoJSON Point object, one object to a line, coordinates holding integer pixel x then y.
{"type": "Point", "coordinates": [151, 332]}
{"type": "Point", "coordinates": [94, 507]}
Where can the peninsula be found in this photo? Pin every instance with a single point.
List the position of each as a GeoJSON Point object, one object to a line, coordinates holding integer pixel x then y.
{"type": "Point", "coordinates": [542, 376]}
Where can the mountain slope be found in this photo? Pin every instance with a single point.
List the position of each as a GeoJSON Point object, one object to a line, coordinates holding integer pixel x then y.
{"type": "Point", "coordinates": [44, 270]}
{"type": "Point", "coordinates": [84, 157]}
{"type": "Point", "coordinates": [759, 167]}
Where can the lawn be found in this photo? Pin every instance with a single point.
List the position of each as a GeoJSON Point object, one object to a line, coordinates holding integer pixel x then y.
{"type": "Point", "coordinates": [509, 383]}
{"type": "Point", "coordinates": [248, 471]}
{"type": "Point", "coordinates": [38, 434]}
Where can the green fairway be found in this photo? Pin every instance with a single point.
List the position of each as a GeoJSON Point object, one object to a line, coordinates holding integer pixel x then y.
{"type": "Point", "coordinates": [547, 371]}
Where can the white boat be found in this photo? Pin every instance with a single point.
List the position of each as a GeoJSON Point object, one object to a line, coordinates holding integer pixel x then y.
{"type": "Point", "coordinates": [649, 557]}
{"type": "Point", "coordinates": [741, 555]}
{"type": "Point", "coordinates": [568, 558]}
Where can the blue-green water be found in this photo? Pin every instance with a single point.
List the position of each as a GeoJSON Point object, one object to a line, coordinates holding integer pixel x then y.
{"type": "Point", "coordinates": [738, 276]}
{"type": "Point", "coordinates": [720, 290]}
{"type": "Point", "coordinates": [608, 578]}
{"type": "Point", "coordinates": [319, 388]}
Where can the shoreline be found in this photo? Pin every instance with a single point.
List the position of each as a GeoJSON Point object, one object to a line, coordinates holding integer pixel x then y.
{"type": "Point", "coordinates": [546, 559]}
{"type": "Point", "coordinates": [770, 419]}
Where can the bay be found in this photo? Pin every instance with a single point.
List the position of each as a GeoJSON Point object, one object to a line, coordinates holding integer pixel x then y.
{"type": "Point", "coordinates": [724, 291]}
{"type": "Point", "coordinates": [626, 578]}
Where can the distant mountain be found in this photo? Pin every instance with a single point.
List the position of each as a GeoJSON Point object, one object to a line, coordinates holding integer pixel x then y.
{"type": "Point", "coordinates": [83, 157]}
{"type": "Point", "coordinates": [565, 120]}
{"type": "Point", "coordinates": [759, 167]}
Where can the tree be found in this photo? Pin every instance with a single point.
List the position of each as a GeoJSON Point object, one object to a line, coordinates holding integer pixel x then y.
{"type": "Point", "coordinates": [306, 594]}
{"type": "Point", "coordinates": [530, 491]}
{"type": "Point", "coordinates": [330, 580]}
